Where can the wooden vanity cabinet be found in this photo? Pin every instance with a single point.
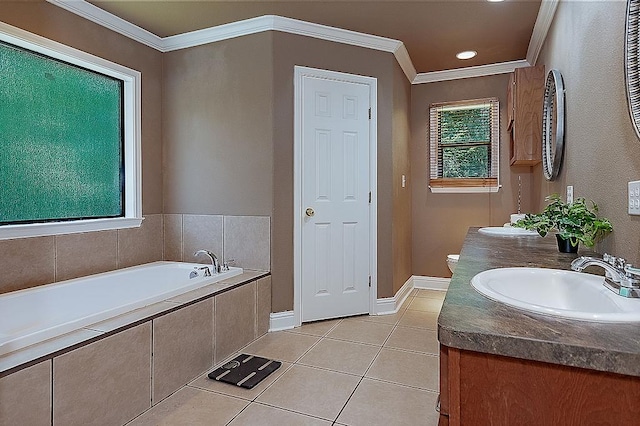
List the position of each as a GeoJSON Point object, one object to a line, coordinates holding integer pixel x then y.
{"type": "Point", "coordinates": [484, 389]}
{"type": "Point", "coordinates": [525, 96]}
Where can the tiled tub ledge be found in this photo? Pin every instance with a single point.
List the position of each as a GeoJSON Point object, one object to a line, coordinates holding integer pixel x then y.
{"type": "Point", "coordinates": [115, 369]}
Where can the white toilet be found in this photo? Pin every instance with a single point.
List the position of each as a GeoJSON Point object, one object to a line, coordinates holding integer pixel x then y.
{"type": "Point", "coordinates": [452, 261]}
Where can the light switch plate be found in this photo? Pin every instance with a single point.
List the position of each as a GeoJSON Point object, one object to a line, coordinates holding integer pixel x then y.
{"type": "Point", "coordinates": [633, 198]}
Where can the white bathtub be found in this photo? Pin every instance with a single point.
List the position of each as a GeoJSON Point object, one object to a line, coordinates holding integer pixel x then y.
{"type": "Point", "coordinates": [33, 315]}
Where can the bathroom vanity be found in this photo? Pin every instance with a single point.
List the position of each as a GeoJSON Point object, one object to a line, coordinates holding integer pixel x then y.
{"type": "Point", "coordinates": [505, 366]}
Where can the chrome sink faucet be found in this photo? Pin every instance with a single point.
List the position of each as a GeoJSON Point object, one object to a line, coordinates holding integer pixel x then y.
{"type": "Point", "coordinates": [621, 277]}
{"type": "Point", "coordinates": [214, 259]}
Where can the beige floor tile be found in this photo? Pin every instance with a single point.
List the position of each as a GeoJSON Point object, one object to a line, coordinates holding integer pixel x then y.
{"type": "Point", "coordinates": [414, 339]}
{"type": "Point", "coordinates": [311, 391]}
{"type": "Point", "coordinates": [406, 368]}
{"type": "Point", "coordinates": [420, 319]}
{"type": "Point", "coordinates": [425, 304]}
{"type": "Point", "coordinates": [402, 406]}
{"type": "Point", "coordinates": [430, 294]}
{"type": "Point", "coordinates": [281, 346]}
{"type": "Point", "coordinates": [337, 355]}
{"type": "Point", "coordinates": [361, 331]}
{"type": "Point", "coordinates": [317, 328]}
{"type": "Point", "coordinates": [190, 406]}
{"type": "Point", "coordinates": [204, 382]}
{"type": "Point", "coordinates": [264, 415]}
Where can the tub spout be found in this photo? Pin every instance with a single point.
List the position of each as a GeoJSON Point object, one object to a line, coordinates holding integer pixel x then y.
{"type": "Point", "coordinates": [214, 259]}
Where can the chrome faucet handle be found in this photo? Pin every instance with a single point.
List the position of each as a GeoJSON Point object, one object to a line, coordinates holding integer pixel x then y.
{"type": "Point", "coordinates": [206, 270]}
{"type": "Point", "coordinates": [225, 264]}
{"type": "Point", "coordinates": [631, 271]}
{"type": "Point", "coordinates": [621, 263]}
{"type": "Point", "coordinates": [611, 260]}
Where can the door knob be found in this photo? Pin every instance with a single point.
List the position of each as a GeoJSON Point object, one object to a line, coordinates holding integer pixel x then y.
{"type": "Point", "coordinates": [310, 212]}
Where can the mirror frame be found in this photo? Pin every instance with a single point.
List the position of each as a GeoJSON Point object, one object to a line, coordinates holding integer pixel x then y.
{"type": "Point", "coordinates": [553, 130]}
{"type": "Point", "coordinates": [632, 62]}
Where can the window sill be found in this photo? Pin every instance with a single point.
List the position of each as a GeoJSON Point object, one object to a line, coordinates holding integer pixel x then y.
{"type": "Point", "coordinates": [464, 190]}
{"type": "Point", "coordinates": [8, 232]}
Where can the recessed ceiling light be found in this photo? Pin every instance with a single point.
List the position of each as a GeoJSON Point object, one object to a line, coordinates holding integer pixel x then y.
{"type": "Point", "coordinates": [494, 1]}
{"type": "Point", "coordinates": [467, 54]}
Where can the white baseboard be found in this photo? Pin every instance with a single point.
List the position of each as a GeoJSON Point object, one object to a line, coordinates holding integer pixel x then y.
{"type": "Point", "coordinates": [385, 306]}
{"type": "Point", "coordinates": [430, 283]}
{"type": "Point", "coordinates": [281, 321]}
{"type": "Point", "coordinates": [391, 305]}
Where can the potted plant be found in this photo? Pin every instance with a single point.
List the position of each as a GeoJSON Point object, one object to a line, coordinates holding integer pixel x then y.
{"type": "Point", "coordinates": [574, 222]}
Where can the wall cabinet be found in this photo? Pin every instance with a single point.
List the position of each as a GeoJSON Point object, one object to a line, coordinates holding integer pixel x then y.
{"type": "Point", "coordinates": [525, 95]}
{"type": "Point", "coordinates": [485, 389]}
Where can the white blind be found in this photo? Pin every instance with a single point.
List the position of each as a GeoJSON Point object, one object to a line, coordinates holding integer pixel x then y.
{"type": "Point", "coordinates": [464, 140]}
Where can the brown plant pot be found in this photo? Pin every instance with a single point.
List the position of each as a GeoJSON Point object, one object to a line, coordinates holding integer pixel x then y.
{"type": "Point", "coordinates": [565, 246]}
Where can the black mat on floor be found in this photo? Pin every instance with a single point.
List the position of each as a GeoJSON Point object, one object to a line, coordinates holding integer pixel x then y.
{"type": "Point", "coordinates": [245, 370]}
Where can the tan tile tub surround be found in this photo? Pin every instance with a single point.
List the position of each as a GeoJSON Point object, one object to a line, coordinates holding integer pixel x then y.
{"type": "Point", "coordinates": [179, 356]}
{"type": "Point", "coordinates": [117, 369]}
{"type": "Point", "coordinates": [244, 239]}
{"type": "Point", "coordinates": [30, 262]}
{"type": "Point", "coordinates": [25, 397]}
{"type": "Point", "coordinates": [107, 382]}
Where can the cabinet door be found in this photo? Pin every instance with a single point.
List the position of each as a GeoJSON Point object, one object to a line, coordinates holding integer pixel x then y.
{"type": "Point", "coordinates": [511, 90]}
{"type": "Point", "coordinates": [526, 127]}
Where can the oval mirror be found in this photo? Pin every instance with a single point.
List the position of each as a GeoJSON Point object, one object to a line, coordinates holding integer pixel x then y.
{"type": "Point", "coordinates": [631, 57]}
{"type": "Point", "coordinates": [553, 125]}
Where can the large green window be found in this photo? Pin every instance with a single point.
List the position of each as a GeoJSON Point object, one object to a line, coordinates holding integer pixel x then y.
{"type": "Point", "coordinates": [61, 145]}
{"type": "Point", "coordinates": [69, 139]}
{"type": "Point", "coordinates": [464, 144]}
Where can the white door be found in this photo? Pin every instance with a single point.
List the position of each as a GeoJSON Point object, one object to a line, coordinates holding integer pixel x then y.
{"type": "Point", "coordinates": [335, 246]}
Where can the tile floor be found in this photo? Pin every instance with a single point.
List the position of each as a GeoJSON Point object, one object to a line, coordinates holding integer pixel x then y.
{"type": "Point", "coordinates": [380, 370]}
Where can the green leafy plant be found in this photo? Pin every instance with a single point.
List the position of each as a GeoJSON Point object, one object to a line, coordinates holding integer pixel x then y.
{"type": "Point", "coordinates": [577, 221]}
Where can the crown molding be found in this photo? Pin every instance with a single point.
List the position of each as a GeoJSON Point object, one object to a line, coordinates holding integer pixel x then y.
{"type": "Point", "coordinates": [338, 35]}
{"type": "Point", "coordinates": [218, 33]}
{"type": "Point", "coordinates": [108, 20]}
{"type": "Point", "coordinates": [468, 72]}
{"type": "Point", "coordinates": [308, 29]}
{"type": "Point", "coordinates": [541, 28]}
{"type": "Point", "coordinates": [402, 56]}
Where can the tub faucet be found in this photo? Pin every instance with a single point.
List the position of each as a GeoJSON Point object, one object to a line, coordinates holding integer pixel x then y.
{"type": "Point", "coordinates": [620, 277]}
{"type": "Point", "coordinates": [214, 259]}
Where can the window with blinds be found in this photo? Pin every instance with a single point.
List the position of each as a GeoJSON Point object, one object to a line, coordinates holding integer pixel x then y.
{"type": "Point", "coordinates": [464, 139]}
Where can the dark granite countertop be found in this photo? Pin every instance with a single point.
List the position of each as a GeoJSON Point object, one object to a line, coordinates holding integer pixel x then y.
{"type": "Point", "coordinates": [473, 322]}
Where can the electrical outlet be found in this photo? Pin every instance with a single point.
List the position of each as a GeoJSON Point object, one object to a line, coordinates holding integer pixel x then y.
{"type": "Point", "coordinates": [569, 194]}
{"type": "Point", "coordinates": [634, 198]}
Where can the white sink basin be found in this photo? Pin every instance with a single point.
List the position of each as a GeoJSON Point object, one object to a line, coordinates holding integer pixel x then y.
{"type": "Point", "coordinates": [555, 292]}
{"type": "Point", "coordinates": [507, 231]}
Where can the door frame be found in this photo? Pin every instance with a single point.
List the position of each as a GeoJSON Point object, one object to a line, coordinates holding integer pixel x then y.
{"type": "Point", "coordinates": [299, 73]}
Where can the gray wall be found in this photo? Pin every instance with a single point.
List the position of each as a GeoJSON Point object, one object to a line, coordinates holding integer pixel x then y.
{"type": "Point", "coordinates": [440, 221]}
{"type": "Point", "coordinates": [401, 222]}
{"type": "Point", "coordinates": [586, 43]}
{"type": "Point", "coordinates": [217, 121]}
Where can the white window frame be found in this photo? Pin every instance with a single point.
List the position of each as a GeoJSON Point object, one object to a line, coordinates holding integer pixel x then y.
{"type": "Point", "coordinates": [132, 137]}
{"type": "Point", "coordinates": [495, 146]}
